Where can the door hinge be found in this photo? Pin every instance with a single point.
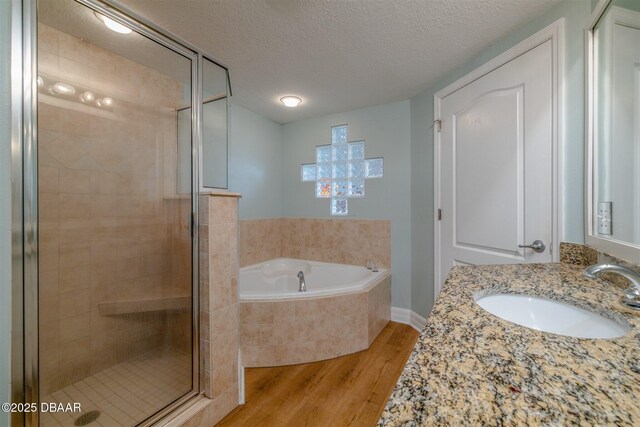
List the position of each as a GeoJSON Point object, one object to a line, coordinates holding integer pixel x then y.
{"type": "Point", "coordinates": [439, 214]}
{"type": "Point", "coordinates": [437, 124]}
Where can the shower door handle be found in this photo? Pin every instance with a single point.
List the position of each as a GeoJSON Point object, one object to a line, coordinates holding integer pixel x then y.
{"type": "Point", "coordinates": [537, 245]}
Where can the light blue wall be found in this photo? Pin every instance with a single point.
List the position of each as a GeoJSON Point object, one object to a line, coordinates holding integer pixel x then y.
{"type": "Point", "coordinates": [255, 163]}
{"type": "Point", "coordinates": [5, 210]}
{"type": "Point", "coordinates": [422, 205]}
{"type": "Point", "coordinates": [577, 15]}
{"type": "Point", "coordinates": [386, 130]}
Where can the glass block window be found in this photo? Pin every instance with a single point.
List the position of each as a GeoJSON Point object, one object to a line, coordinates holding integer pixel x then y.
{"type": "Point", "coordinates": [324, 171]}
{"type": "Point", "coordinates": [356, 169]}
{"type": "Point", "coordinates": [339, 189]}
{"type": "Point", "coordinates": [323, 189]}
{"type": "Point", "coordinates": [308, 172]}
{"type": "Point", "coordinates": [356, 150]}
{"type": "Point", "coordinates": [339, 135]}
{"type": "Point", "coordinates": [340, 170]}
{"type": "Point", "coordinates": [356, 188]}
{"type": "Point", "coordinates": [339, 206]}
{"type": "Point", "coordinates": [323, 154]}
{"type": "Point", "coordinates": [373, 168]}
{"type": "Point", "coordinates": [340, 153]}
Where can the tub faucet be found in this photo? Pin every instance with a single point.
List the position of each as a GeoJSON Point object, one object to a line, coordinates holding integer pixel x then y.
{"type": "Point", "coordinates": [302, 286]}
{"type": "Point", "coordinates": [632, 294]}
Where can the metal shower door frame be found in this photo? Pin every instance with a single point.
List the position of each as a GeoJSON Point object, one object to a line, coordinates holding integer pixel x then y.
{"type": "Point", "coordinates": [24, 163]}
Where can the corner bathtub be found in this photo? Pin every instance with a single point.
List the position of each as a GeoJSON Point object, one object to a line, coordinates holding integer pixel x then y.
{"type": "Point", "coordinates": [342, 312]}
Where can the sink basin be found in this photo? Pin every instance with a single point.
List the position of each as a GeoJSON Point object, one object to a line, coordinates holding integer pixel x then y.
{"type": "Point", "coordinates": [551, 316]}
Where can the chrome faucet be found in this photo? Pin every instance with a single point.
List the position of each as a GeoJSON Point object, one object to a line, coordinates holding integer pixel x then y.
{"type": "Point", "coordinates": [302, 286]}
{"type": "Point", "coordinates": [632, 294]}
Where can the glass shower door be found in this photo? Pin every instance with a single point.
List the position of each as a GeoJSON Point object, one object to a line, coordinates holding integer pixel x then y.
{"type": "Point", "coordinates": [115, 268]}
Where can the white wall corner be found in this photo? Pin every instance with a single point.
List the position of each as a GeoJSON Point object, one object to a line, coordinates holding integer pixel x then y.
{"type": "Point", "coordinates": [408, 317]}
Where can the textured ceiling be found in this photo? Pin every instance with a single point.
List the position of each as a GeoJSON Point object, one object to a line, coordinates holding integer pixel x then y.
{"type": "Point", "coordinates": [337, 55]}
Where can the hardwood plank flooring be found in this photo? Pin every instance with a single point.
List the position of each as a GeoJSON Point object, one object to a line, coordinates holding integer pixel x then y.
{"type": "Point", "coordinates": [347, 391]}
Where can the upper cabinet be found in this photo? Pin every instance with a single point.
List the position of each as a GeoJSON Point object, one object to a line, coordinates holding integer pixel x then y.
{"type": "Point", "coordinates": [613, 129]}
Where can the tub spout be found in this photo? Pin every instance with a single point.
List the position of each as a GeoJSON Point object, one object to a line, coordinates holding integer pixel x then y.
{"type": "Point", "coordinates": [302, 286]}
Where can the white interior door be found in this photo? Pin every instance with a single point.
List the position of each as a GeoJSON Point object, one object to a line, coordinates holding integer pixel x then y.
{"type": "Point", "coordinates": [496, 165]}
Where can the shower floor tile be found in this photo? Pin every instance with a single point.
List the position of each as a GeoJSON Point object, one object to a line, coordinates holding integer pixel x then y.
{"type": "Point", "coordinates": [125, 394]}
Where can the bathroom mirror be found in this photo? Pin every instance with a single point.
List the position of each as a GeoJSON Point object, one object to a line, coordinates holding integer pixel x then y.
{"type": "Point", "coordinates": [613, 129]}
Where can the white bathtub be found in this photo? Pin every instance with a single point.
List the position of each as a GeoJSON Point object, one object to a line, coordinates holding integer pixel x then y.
{"type": "Point", "coordinates": [277, 279]}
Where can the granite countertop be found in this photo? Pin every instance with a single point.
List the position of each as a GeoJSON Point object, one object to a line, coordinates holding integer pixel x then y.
{"type": "Point", "coordinates": [472, 368]}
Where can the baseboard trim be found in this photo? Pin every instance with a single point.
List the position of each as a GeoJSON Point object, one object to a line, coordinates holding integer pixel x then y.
{"type": "Point", "coordinates": [408, 317]}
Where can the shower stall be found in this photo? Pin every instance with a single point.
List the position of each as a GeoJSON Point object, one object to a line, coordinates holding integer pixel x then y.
{"type": "Point", "coordinates": [119, 120]}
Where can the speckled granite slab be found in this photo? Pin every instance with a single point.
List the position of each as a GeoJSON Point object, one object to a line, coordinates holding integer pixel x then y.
{"type": "Point", "coordinates": [472, 368]}
{"type": "Point", "coordinates": [577, 254]}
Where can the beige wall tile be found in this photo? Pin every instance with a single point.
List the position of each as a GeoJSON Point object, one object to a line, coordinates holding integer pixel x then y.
{"type": "Point", "coordinates": [75, 181]}
{"type": "Point", "coordinates": [47, 179]}
{"type": "Point", "coordinates": [329, 240]}
{"type": "Point", "coordinates": [74, 328]}
{"type": "Point", "coordinates": [219, 264]}
{"type": "Point", "coordinates": [75, 303]}
{"type": "Point", "coordinates": [75, 206]}
{"type": "Point", "coordinates": [48, 207]}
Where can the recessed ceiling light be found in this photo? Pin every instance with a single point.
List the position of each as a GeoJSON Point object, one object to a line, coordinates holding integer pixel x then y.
{"type": "Point", "coordinates": [290, 101]}
{"type": "Point", "coordinates": [113, 25]}
{"type": "Point", "coordinates": [105, 102]}
{"type": "Point", "coordinates": [63, 89]}
{"type": "Point", "coordinates": [87, 96]}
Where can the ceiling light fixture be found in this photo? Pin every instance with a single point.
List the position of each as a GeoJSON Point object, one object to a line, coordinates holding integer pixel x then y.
{"type": "Point", "coordinates": [63, 89]}
{"type": "Point", "coordinates": [290, 101]}
{"type": "Point", "coordinates": [105, 102]}
{"type": "Point", "coordinates": [87, 96]}
{"type": "Point", "coordinates": [113, 25]}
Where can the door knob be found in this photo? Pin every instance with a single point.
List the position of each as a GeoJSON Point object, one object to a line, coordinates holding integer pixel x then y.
{"type": "Point", "coordinates": [537, 246]}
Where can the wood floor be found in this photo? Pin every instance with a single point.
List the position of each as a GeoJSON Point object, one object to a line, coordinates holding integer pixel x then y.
{"type": "Point", "coordinates": [347, 391]}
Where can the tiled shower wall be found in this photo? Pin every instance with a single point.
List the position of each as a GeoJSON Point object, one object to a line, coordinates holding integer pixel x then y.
{"type": "Point", "coordinates": [344, 241]}
{"type": "Point", "coordinates": [109, 218]}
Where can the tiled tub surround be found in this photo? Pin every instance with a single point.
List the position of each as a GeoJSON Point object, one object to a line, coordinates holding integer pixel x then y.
{"type": "Point", "coordinates": [294, 330]}
{"type": "Point", "coordinates": [111, 227]}
{"type": "Point", "coordinates": [342, 241]}
{"type": "Point", "coordinates": [470, 367]}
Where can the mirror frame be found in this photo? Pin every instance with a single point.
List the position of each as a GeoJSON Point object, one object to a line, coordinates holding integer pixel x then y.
{"type": "Point", "coordinates": [618, 248]}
